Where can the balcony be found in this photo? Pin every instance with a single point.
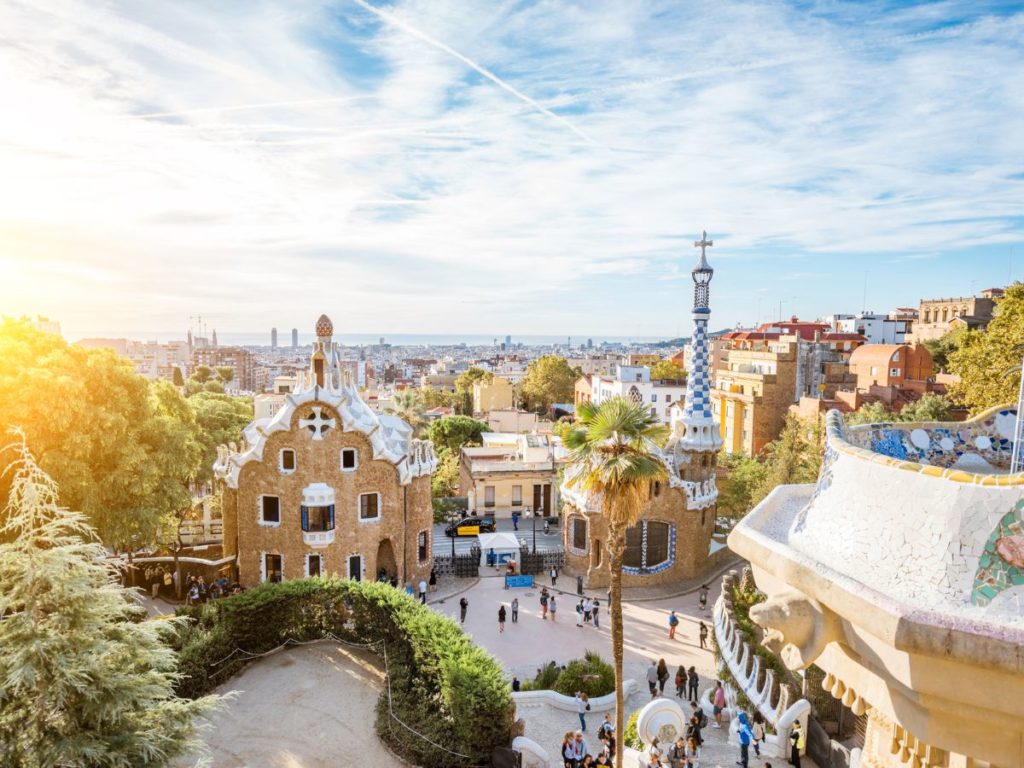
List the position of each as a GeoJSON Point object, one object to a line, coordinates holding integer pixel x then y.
{"type": "Point", "coordinates": [318, 538]}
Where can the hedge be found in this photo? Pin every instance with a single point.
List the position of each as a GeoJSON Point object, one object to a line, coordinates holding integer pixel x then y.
{"type": "Point", "coordinates": [442, 685]}
{"type": "Point", "coordinates": [592, 675]}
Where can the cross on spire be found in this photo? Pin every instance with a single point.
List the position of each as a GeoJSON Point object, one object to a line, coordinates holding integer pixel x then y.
{"type": "Point", "coordinates": [703, 243]}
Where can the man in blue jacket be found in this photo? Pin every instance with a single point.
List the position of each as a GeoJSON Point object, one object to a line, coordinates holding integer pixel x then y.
{"type": "Point", "coordinates": [746, 735]}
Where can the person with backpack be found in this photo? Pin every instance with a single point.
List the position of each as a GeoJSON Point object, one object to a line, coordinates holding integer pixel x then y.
{"type": "Point", "coordinates": [463, 607]}
{"type": "Point", "coordinates": [758, 728]}
{"type": "Point", "coordinates": [677, 754]}
{"type": "Point", "coordinates": [673, 624]}
{"type": "Point", "coordinates": [544, 603]}
{"type": "Point", "coordinates": [745, 736]}
{"type": "Point", "coordinates": [680, 681]}
{"type": "Point", "coordinates": [693, 730]}
{"type": "Point", "coordinates": [582, 707]}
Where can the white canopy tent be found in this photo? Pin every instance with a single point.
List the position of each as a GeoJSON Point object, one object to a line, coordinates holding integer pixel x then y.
{"type": "Point", "coordinates": [505, 546]}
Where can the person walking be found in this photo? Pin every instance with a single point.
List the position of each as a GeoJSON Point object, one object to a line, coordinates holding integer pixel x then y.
{"type": "Point", "coordinates": [693, 683]}
{"type": "Point", "coordinates": [158, 579]}
{"type": "Point", "coordinates": [433, 580]}
{"type": "Point", "coordinates": [463, 607]}
{"type": "Point", "coordinates": [680, 681]}
{"type": "Point", "coordinates": [796, 742]}
{"type": "Point", "coordinates": [693, 730]}
{"type": "Point", "coordinates": [652, 678]}
{"type": "Point", "coordinates": [552, 607]}
{"type": "Point", "coordinates": [757, 726]}
{"type": "Point", "coordinates": [588, 610]}
{"type": "Point", "coordinates": [718, 704]}
{"type": "Point", "coordinates": [673, 624]}
{"type": "Point", "coordinates": [423, 592]}
{"type": "Point", "coordinates": [554, 575]}
{"type": "Point", "coordinates": [515, 610]}
{"type": "Point", "coordinates": [745, 736]}
{"type": "Point", "coordinates": [582, 705]}
{"type": "Point", "coordinates": [703, 635]}
{"type": "Point", "coordinates": [677, 754]}
{"type": "Point", "coordinates": [501, 618]}
{"type": "Point", "coordinates": [703, 596]}
{"type": "Point", "coordinates": [579, 614]}
{"type": "Point", "coordinates": [568, 749]}
{"type": "Point", "coordinates": [544, 602]}
{"type": "Point", "coordinates": [579, 748]}
{"type": "Point", "coordinates": [595, 610]}
{"type": "Point", "coordinates": [662, 676]}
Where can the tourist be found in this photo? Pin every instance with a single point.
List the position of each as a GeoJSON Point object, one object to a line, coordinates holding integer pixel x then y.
{"type": "Point", "coordinates": [703, 635]}
{"type": "Point", "coordinates": [745, 736]}
{"type": "Point", "coordinates": [588, 610]}
{"type": "Point", "coordinates": [602, 759]}
{"type": "Point", "coordinates": [693, 730]}
{"type": "Point", "coordinates": [758, 728]}
{"type": "Point", "coordinates": [582, 706]}
{"type": "Point", "coordinates": [579, 613]}
{"type": "Point", "coordinates": [501, 618]}
{"type": "Point", "coordinates": [394, 582]}
{"type": "Point", "coordinates": [654, 752]}
{"type": "Point", "coordinates": [423, 592]}
{"type": "Point", "coordinates": [702, 717]}
{"type": "Point", "coordinates": [607, 726]}
{"type": "Point", "coordinates": [796, 741]}
{"type": "Point", "coordinates": [593, 613]}
{"type": "Point", "coordinates": [516, 685]}
{"type": "Point", "coordinates": [680, 681]}
{"type": "Point", "coordinates": [515, 610]}
{"type": "Point", "coordinates": [192, 598]}
{"type": "Point", "coordinates": [703, 597]}
{"type": "Point", "coordinates": [673, 624]}
{"type": "Point", "coordinates": [693, 754]}
{"type": "Point", "coordinates": [169, 583]}
{"type": "Point", "coordinates": [718, 704]}
{"type": "Point", "coordinates": [554, 575]}
{"type": "Point", "coordinates": [463, 607]}
{"type": "Point", "coordinates": [693, 683]}
{"type": "Point", "coordinates": [552, 607]}
{"type": "Point", "coordinates": [652, 678]}
{"type": "Point", "coordinates": [432, 583]}
{"type": "Point", "coordinates": [515, 521]}
{"type": "Point", "coordinates": [579, 748]}
{"type": "Point", "coordinates": [677, 754]}
{"type": "Point", "coordinates": [158, 579]}
{"type": "Point", "coordinates": [544, 602]}
{"type": "Point", "coordinates": [662, 676]}
{"type": "Point", "coordinates": [569, 750]}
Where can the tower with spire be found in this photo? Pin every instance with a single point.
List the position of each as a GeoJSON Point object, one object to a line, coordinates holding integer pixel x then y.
{"type": "Point", "coordinates": [695, 428]}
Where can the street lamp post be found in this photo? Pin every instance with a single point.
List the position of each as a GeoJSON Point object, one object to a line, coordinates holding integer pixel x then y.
{"type": "Point", "coordinates": [453, 515]}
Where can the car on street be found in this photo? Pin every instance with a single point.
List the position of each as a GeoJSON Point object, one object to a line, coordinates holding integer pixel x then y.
{"type": "Point", "coordinates": [471, 526]}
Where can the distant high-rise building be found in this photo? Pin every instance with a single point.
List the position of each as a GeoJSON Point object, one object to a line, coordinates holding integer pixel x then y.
{"type": "Point", "coordinates": [382, 341]}
{"type": "Point", "coordinates": [214, 340]}
{"type": "Point", "coordinates": [295, 338]}
{"type": "Point", "coordinates": [273, 338]}
{"type": "Point", "coordinates": [590, 343]}
{"type": "Point", "coordinates": [508, 342]}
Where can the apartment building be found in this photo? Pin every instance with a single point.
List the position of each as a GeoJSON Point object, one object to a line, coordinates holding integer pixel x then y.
{"type": "Point", "coordinates": [511, 473]}
{"type": "Point", "coordinates": [633, 382]}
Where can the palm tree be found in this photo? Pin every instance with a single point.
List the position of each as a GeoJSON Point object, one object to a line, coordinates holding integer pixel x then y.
{"type": "Point", "coordinates": [408, 406]}
{"type": "Point", "coordinates": [613, 461]}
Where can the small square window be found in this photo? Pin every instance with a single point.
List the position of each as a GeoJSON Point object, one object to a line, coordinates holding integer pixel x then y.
{"type": "Point", "coordinates": [348, 459]}
{"type": "Point", "coordinates": [287, 461]}
{"type": "Point", "coordinates": [314, 565]}
{"type": "Point", "coordinates": [654, 398]}
{"type": "Point", "coordinates": [369, 506]}
{"type": "Point", "coordinates": [270, 510]}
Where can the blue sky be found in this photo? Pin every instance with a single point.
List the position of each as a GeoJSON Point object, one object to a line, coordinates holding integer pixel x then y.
{"type": "Point", "coordinates": [502, 167]}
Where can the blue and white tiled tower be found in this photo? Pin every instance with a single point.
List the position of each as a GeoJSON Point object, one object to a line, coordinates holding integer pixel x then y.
{"type": "Point", "coordinates": [701, 432]}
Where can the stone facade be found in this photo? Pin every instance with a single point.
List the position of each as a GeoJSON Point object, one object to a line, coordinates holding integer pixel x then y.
{"type": "Point", "coordinates": [327, 487]}
{"type": "Point", "coordinates": [935, 316]}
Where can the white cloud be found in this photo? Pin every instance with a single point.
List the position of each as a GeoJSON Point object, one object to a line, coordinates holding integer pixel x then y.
{"type": "Point", "coordinates": [184, 155]}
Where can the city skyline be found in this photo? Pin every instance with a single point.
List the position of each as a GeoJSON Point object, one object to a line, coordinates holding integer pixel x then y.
{"type": "Point", "coordinates": [513, 169]}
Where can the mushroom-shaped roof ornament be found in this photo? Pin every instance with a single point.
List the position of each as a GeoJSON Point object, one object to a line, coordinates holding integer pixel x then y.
{"type": "Point", "coordinates": [324, 327]}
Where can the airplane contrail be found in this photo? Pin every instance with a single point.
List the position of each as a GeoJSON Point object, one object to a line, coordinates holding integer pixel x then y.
{"type": "Point", "coordinates": [406, 27]}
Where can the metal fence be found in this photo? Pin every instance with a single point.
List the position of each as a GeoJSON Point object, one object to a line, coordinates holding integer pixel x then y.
{"type": "Point", "coordinates": [541, 562]}
{"type": "Point", "coordinates": [461, 566]}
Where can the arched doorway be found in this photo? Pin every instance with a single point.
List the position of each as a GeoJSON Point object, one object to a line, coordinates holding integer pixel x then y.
{"type": "Point", "coordinates": [386, 559]}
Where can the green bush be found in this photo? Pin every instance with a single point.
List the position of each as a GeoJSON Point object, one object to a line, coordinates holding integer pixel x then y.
{"type": "Point", "coordinates": [591, 674]}
{"type": "Point", "coordinates": [630, 735]}
{"type": "Point", "coordinates": [442, 685]}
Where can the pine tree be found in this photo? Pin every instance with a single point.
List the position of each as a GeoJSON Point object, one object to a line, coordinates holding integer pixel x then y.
{"type": "Point", "coordinates": [83, 682]}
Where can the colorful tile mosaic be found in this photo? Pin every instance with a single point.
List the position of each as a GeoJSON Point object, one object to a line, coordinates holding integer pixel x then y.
{"type": "Point", "coordinates": [1002, 562]}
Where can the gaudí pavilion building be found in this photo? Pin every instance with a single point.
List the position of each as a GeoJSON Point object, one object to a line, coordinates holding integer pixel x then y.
{"type": "Point", "coordinates": [327, 486]}
{"type": "Point", "coordinates": [901, 575]}
{"type": "Point", "coordinates": [672, 542]}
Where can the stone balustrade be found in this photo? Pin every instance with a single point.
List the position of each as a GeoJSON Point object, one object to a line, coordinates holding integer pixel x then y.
{"type": "Point", "coordinates": [768, 696]}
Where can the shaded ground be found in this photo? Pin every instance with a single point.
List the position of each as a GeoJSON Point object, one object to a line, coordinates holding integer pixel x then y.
{"type": "Point", "coordinates": [308, 707]}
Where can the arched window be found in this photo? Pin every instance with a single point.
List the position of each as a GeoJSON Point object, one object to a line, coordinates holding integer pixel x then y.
{"type": "Point", "coordinates": [650, 547]}
{"type": "Point", "coordinates": [634, 395]}
{"type": "Point", "coordinates": [945, 314]}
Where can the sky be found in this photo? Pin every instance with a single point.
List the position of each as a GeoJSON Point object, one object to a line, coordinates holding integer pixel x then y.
{"type": "Point", "coordinates": [502, 167]}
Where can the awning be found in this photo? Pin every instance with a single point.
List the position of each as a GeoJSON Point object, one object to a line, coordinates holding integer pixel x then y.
{"type": "Point", "coordinates": [498, 541]}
